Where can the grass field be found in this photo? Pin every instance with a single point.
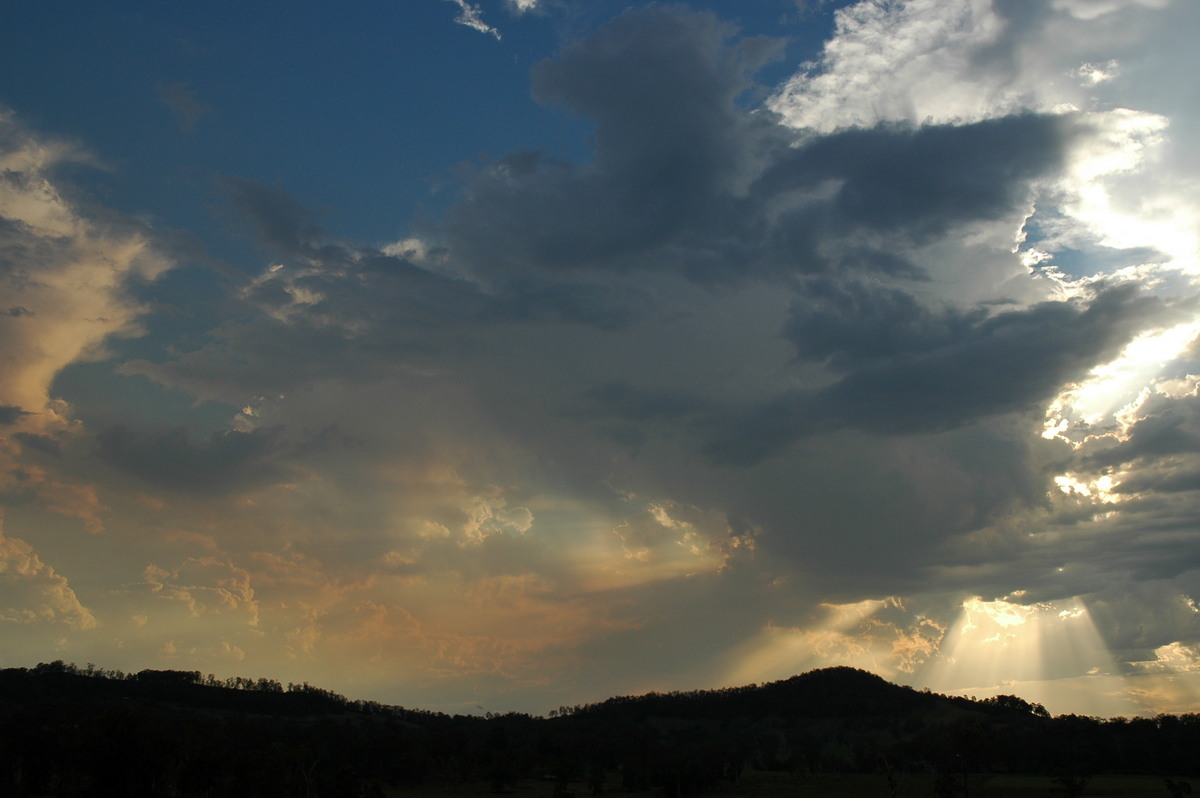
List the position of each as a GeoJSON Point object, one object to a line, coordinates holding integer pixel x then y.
{"type": "Point", "coordinates": [777, 785]}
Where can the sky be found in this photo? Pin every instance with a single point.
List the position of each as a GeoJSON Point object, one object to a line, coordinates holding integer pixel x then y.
{"type": "Point", "coordinates": [503, 355]}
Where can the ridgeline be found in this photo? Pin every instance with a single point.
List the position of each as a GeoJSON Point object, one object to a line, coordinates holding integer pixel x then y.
{"type": "Point", "coordinates": [70, 731]}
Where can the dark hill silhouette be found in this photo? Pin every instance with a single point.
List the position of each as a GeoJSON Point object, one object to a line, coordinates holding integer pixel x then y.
{"type": "Point", "coordinates": [71, 731]}
{"type": "Point", "coordinates": [831, 692]}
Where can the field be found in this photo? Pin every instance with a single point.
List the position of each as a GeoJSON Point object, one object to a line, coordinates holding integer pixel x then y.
{"type": "Point", "coordinates": [777, 785]}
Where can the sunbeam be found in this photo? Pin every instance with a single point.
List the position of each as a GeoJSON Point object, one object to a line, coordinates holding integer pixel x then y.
{"type": "Point", "coordinates": [1049, 652]}
{"type": "Point", "coordinates": [857, 634]}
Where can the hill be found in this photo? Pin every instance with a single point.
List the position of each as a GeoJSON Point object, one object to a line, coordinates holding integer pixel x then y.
{"type": "Point", "coordinates": [71, 731]}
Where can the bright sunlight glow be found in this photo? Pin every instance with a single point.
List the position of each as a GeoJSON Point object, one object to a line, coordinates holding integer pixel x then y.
{"type": "Point", "coordinates": [1113, 387]}
{"type": "Point", "coordinates": [1049, 652]}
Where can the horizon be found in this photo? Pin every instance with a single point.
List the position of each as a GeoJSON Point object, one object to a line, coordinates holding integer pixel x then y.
{"type": "Point", "coordinates": [256, 684]}
{"type": "Point", "coordinates": [478, 354]}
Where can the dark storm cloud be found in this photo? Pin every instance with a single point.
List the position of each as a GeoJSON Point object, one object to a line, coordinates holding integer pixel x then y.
{"type": "Point", "coordinates": [11, 414]}
{"type": "Point", "coordinates": [848, 322]}
{"type": "Point", "coordinates": [1162, 480]}
{"type": "Point", "coordinates": [1136, 617]}
{"type": "Point", "coordinates": [367, 288]}
{"type": "Point", "coordinates": [227, 461]}
{"type": "Point", "coordinates": [661, 87]}
{"type": "Point", "coordinates": [1168, 426]}
{"type": "Point", "coordinates": [1086, 548]}
{"type": "Point", "coordinates": [626, 402]}
{"type": "Point", "coordinates": [924, 180]}
{"type": "Point", "coordinates": [278, 221]}
{"type": "Point", "coordinates": [39, 443]}
{"type": "Point", "coordinates": [605, 305]}
{"type": "Point", "coordinates": [1144, 531]}
{"type": "Point", "coordinates": [362, 288]}
{"type": "Point", "coordinates": [1010, 362]}
{"type": "Point", "coordinates": [955, 369]}
{"type": "Point", "coordinates": [685, 179]}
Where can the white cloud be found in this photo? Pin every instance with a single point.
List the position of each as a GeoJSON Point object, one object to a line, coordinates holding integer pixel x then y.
{"type": "Point", "coordinates": [472, 17]}
{"type": "Point", "coordinates": [1174, 657]}
{"type": "Point", "coordinates": [1095, 74]}
{"type": "Point", "coordinates": [1093, 9]}
{"type": "Point", "coordinates": [906, 61]}
{"type": "Point", "coordinates": [962, 60]}
{"type": "Point", "coordinates": [63, 274]}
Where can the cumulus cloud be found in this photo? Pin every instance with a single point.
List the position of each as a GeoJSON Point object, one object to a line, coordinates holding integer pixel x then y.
{"type": "Point", "coordinates": [955, 369]}
{"type": "Point", "coordinates": [70, 271]}
{"type": "Point", "coordinates": [206, 585]}
{"type": "Point", "coordinates": [686, 178]}
{"type": "Point", "coordinates": [686, 409]}
{"type": "Point", "coordinates": [955, 60]}
{"type": "Point", "coordinates": [32, 592]}
{"type": "Point", "coordinates": [890, 219]}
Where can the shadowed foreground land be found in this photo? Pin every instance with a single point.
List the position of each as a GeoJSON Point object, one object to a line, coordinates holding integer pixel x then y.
{"type": "Point", "coordinates": [67, 731]}
{"type": "Point", "coordinates": [855, 785]}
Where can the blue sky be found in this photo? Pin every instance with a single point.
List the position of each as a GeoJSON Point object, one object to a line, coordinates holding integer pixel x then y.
{"type": "Point", "coordinates": [364, 110]}
{"type": "Point", "coordinates": [512, 355]}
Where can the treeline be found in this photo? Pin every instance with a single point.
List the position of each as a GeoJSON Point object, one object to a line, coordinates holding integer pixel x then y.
{"type": "Point", "coordinates": [71, 731]}
{"type": "Point", "coordinates": [198, 687]}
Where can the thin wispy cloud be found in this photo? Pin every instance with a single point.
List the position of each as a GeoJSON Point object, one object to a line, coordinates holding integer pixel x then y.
{"type": "Point", "coordinates": [183, 104]}
{"type": "Point", "coordinates": [472, 17]}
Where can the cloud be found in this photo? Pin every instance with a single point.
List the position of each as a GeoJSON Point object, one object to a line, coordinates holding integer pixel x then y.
{"type": "Point", "coordinates": [183, 104]}
{"type": "Point", "coordinates": [846, 323]}
{"type": "Point", "coordinates": [556, 322]}
{"type": "Point", "coordinates": [206, 585]}
{"type": "Point", "coordinates": [228, 461]}
{"type": "Point", "coordinates": [72, 271]}
{"type": "Point", "coordinates": [1002, 365]}
{"type": "Point", "coordinates": [497, 452]}
{"type": "Point", "coordinates": [11, 414]}
{"type": "Point", "coordinates": [660, 86]}
{"type": "Point", "coordinates": [879, 635]}
{"type": "Point", "coordinates": [956, 369]}
{"type": "Point", "coordinates": [1139, 619]}
{"type": "Point", "coordinates": [686, 179]}
{"type": "Point", "coordinates": [926, 179]}
{"type": "Point", "coordinates": [1163, 426]}
{"type": "Point", "coordinates": [68, 272]}
{"type": "Point", "coordinates": [39, 443]}
{"type": "Point", "coordinates": [32, 592]}
{"type": "Point", "coordinates": [957, 60]}
{"type": "Point", "coordinates": [472, 17]}
{"type": "Point", "coordinates": [279, 222]}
